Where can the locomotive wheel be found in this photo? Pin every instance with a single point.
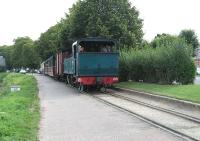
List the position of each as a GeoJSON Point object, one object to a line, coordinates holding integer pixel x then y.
{"type": "Point", "coordinates": [103, 89]}
{"type": "Point", "coordinates": [65, 79]}
{"type": "Point", "coordinates": [81, 88]}
{"type": "Point", "coordinates": [73, 81]}
{"type": "Point", "coordinates": [68, 82]}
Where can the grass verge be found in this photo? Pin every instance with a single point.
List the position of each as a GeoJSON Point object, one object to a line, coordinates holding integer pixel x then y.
{"type": "Point", "coordinates": [19, 111]}
{"type": "Point", "coordinates": [184, 92]}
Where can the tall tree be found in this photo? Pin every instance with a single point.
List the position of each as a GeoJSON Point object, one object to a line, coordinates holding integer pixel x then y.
{"type": "Point", "coordinates": [49, 42]}
{"type": "Point", "coordinates": [163, 40]}
{"type": "Point", "coordinates": [24, 53]}
{"type": "Point", "coordinates": [190, 37]}
{"type": "Point", "coordinates": [105, 18]}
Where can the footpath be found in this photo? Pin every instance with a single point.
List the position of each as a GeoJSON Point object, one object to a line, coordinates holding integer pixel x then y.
{"type": "Point", "coordinates": [67, 115]}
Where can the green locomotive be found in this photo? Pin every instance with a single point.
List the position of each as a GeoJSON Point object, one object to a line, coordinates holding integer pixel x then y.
{"type": "Point", "coordinates": [89, 62]}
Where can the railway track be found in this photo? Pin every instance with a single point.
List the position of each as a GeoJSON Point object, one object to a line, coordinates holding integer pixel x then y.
{"type": "Point", "coordinates": [170, 111]}
{"type": "Point", "coordinates": [177, 123]}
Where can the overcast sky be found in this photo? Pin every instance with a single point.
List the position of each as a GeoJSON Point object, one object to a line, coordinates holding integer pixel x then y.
{"type": "Point", "coordinates": [20, 18]}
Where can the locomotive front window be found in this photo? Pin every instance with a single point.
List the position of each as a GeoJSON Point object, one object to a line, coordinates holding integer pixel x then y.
{"type": "Point", "coordinates": [98, 46]}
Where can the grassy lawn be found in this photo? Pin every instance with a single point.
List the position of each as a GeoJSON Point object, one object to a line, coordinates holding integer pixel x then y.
{"type": "Point", "coordinates": [185, 92]}
{"type": "Point", "coordinates": [19, 111]}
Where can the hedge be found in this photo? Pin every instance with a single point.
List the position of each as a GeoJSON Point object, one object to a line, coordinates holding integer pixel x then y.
{"type": "Point", "coordinates": [165, 64]}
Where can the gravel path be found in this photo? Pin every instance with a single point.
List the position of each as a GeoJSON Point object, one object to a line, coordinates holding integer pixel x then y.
{"type": "Point", "coordinates": [70, 116]}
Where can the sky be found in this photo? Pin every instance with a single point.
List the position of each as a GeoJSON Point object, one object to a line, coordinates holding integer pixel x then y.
{"type": "Point", "coordinates": [19, 18]}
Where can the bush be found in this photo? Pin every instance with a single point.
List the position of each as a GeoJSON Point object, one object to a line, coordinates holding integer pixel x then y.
{"type": "Point", "coordinates": [165, 64]}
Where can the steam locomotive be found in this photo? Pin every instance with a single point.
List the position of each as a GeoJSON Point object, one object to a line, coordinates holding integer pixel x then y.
{"type": "Point", "coordinates": [89, 62]}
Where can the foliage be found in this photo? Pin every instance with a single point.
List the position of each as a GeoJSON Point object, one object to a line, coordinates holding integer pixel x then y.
{"type": "Point", "coordinates": [165, 64]}
{"type": "Point", "coordinates": [114, 19]}
{"type": "Point", "coordinates": [22, 54]}
{"type": "Point", "coordinates": [190, 37]}
{"type": "Point", "coordinates": [144, 44]}
{"type": "Point", "coordinates": [19, 111]}
{"type": "Point", "coordinates": [163, 40]}
{"type": "Point", "coordinates": [49, 42]}
{"type": "Point", "coordinates": [185, 92]}
{"type": "Point", "coordinates": [2, 76]}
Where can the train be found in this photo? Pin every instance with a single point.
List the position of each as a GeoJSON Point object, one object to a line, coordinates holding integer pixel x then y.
{"type": "Point", "coordinates": [89, 62]}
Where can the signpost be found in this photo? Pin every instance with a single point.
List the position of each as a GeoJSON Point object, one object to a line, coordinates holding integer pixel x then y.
{"type": "Point", "coordinates": [15, 88]}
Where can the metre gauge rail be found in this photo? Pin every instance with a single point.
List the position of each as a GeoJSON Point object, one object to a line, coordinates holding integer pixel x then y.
{"type": "Point", "coordinates": [195, 119]}
{"type": "Point", "coordinates": [182, 125]}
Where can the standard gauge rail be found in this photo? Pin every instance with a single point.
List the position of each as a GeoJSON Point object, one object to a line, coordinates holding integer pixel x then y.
{"type": "Point", "coordinates": [179, 124]}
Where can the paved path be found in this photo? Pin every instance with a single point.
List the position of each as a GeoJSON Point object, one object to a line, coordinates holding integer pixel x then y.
{"type": "Point", "coordinates": [70, 116]}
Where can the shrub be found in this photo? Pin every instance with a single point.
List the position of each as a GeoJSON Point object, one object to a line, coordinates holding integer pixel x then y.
{"type": "Point", "coordinates": [165, 64]}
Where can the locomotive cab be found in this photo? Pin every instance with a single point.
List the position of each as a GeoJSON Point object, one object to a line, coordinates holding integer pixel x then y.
{"type": "Point", "coordinates": [97, 47]}
{"type": "Point", "coordinates": [94, 62]}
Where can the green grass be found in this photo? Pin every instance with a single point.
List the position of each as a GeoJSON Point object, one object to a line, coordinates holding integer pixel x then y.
{"type": "Point", "coordinates": [185, 92]}
{"type": "Point", "coordinates": [19, 111]}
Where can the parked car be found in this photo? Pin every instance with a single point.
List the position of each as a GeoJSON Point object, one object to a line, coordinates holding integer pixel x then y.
{"type": "Point", "coordinates": [22, 71]}
{"type": "Point", "coordinates": [36, 71]}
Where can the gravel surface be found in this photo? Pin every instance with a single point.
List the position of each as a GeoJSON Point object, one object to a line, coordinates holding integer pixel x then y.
{"type": "Point", "coordinates": [70, 116]}
{"type": "Point", "coordinates": [171, 121]}
{"type": "Point", "coordinates": [163, 103]}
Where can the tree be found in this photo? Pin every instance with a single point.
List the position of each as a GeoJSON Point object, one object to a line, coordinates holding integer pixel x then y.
{"type": "Point", "coordinates": [103, 18]}
{"type": "Point", "coordinates": [163, 40]}
{"type": "Point", "coordinates": [49, 42]}
{"type": "Point", "coordinates": [24, 53]}
{"type": "Point", "coordinates": [190, 37]}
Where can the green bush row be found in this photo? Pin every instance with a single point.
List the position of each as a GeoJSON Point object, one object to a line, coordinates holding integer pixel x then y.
{"type": "Point", "coordinates": [166, 64]}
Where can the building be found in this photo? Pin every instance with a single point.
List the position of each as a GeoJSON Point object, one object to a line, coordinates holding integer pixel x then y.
{"type": "Point", "coordinates": [2, 64]}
